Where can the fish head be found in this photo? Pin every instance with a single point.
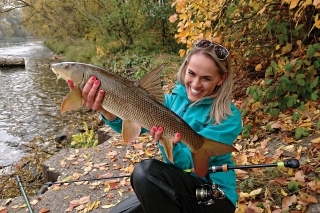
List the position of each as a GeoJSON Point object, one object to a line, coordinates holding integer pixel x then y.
{"type": "Point", "coordinates": [69, 70]}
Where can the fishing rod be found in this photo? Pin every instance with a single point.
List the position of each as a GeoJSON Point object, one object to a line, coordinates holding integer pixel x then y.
{"type": "Point", "coordinates": [290, 163]}
{"type": "Point", "coordinates": [24, 194]}
{"type": "Point", "coordinates": [207, 193]}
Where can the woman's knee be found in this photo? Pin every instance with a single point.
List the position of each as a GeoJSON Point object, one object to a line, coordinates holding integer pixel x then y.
{"type": "Point", "coordinates": [144, 169]}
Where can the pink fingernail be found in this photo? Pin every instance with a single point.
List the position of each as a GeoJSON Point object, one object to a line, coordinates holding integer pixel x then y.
{"type": "Point", "coordinates": [101, 92]}
{"type": "Point", "coordinates": [160, 128]}
{"type": "Point", "coordinates": [178, 135]}
{"type": "Point", "coordinates": [93, 78]}
{"type": "Point", "coordinates": [97, 82]}
{"type": "Point", "coordinates": [69, 81]}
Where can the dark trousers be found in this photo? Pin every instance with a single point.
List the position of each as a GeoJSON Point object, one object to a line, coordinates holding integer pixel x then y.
{"type": "Point", "coordinates": [160, 187]}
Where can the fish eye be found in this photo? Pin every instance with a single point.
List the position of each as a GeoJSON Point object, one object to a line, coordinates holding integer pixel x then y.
{"type": "Point", "coordinates": [66, 66]}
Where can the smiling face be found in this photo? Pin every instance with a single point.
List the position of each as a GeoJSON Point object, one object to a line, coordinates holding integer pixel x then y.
{"type": "Point", "coordinates": [202, 77]}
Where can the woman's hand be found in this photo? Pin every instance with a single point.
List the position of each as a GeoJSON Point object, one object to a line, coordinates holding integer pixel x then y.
{"type": "Point", "coordinates": [156, 134]}
{"type": "Point", "coordinates": [90, 99]}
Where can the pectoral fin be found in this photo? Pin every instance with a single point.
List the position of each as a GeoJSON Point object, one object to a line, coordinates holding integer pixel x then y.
{"type": "Point", "coordinates": [72, 101]}
{"type": "Point", "coordinates": [130, 130]}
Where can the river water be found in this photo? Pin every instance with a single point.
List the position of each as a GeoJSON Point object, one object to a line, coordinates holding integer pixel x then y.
{"type": "Point", "coordinates": [29, 99]}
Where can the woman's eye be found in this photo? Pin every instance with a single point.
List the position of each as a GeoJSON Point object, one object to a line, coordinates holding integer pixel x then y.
{"type": "Point", "coordinates": [190, 72]}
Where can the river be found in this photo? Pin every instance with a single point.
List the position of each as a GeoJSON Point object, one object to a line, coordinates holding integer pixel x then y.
{"type": "Point", "coordinates": [29, 99]}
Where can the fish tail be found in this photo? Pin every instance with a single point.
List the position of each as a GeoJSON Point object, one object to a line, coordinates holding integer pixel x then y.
{"type": "Point", "coordinates": [202, 156]}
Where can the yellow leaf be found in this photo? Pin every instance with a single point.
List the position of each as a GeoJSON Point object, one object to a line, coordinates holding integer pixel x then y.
{"type": "Point", "coordinates": [293, 3]}
{"type": "Point", "coordinates": [107, 206]}
{"type": "Point", "coordinates": [267, 193]}
{"type": "Point", "coordinates": [306, 124]}
{"type": "Point", "coordinates": [258, 67]}
{"type": "Point", "coordinates": [283, 192]}
{"type": "Point", "coordinates": [316, 140]}
{"type": "Point", "coordinates": [255, 192]}
{"type": "Point", "coordinates": [182, 53]}
{"type": "Point", "coordinates": [263, 9]}
{"type": "Point", "coordinates": [317, 24]}
{"type": "Point", "coordinates": [207, 24]}
{"type": "Point", "coordinates": [286, 49]}
{"type": "Point", "coordinates": [107, 188]}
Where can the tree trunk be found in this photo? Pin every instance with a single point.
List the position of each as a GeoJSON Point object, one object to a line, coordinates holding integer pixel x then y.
{"type": "Point", "coordinates": [10, 61]}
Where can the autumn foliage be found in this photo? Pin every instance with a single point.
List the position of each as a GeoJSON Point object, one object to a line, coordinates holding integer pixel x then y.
{"type": "Point", "coordinates": [275, 49]}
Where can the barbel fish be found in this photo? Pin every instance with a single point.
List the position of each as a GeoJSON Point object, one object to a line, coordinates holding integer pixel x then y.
{"type": "Point", "coordinates": [140, 105]}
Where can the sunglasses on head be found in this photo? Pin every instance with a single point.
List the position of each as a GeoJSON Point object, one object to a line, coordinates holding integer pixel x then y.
{"type": "Point", "coordinates": [220, 51]}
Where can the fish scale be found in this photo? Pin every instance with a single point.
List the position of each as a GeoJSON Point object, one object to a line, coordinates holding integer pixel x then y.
{"type": "Point", "coordinates": [139, 104]}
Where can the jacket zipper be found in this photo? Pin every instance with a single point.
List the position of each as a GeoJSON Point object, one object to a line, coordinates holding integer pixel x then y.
{"type": "Point", "coordinates": [185, 109]}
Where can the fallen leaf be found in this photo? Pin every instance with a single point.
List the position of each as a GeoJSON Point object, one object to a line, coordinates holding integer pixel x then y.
{"type": "Point", "coordinates": [44, 210]}
{"type": "Point", "coordinates": [300, 176]}
{"type": "Point", "coordinates": [84, 200]}
{"type": "Point", "coordinates": [107, 206]}
{"type": "Point", "coordinates": [138, 146]}
{"type": "Point", "coordinates": [289, 201]}
{"type": "Point", "coordinates": [34, 202]}
{"type": "Point", "coordinates": [308, 198]}
{"type": "Point", "coordinates": [255, 192]}
{"type": "Point", "coordinates": [3, 209]}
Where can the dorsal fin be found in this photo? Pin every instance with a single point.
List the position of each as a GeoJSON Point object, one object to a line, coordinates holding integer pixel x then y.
{"type": "Point", "coordinates": [151, 82]}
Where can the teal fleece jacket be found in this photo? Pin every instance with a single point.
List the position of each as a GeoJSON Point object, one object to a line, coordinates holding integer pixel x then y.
{"type": "Point", "coordinates": [197, 117]}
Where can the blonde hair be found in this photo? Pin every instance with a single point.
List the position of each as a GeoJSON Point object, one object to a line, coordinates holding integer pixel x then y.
{"type": "Point", "coordinates": [222, 93]}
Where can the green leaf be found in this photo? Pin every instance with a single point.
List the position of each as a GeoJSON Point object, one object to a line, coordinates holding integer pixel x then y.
{"type": "Point", "coordinates": [301, 132]}
{"type": "Point", "coordinates": [316, 64]}
{"type": "Point", "coordinates": [288, 66]}
{"type": "Point", "coordinates": [314, 83]}
{"type": "Point", "coordinates": [311, 51]}
{"type": "Point", "coordinates": [292, 100]}
{"type": "Point", "coordinates": [296, 116]}
{"type": "Point", "coordinates": [293, 186]}
{"type": "Point", "coordinates": [316, 46]}
{"type": "Point", "coordinates": [300, 79]}
{"type": "Point", "coordinates": [269, 81]}
{"type": "Point", "coordinates": [314, 95]}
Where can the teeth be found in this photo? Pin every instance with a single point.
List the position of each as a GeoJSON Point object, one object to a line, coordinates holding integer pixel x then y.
{"type": "Point", "coordinates": [194, 91]}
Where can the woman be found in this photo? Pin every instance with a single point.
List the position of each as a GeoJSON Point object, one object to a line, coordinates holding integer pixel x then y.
{"type": "Point", "coordinates": [202, 97]}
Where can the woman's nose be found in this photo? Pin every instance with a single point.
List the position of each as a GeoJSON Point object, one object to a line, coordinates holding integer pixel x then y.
{"type": "Point", "coordinates": [196, 82]}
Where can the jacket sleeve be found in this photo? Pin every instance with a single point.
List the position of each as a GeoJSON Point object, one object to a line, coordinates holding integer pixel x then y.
{"type": "Point", "coordinates": [181, 156]}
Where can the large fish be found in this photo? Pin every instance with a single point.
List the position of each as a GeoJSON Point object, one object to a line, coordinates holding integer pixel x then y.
{"type": "Point", "coordinates": [139, 104]}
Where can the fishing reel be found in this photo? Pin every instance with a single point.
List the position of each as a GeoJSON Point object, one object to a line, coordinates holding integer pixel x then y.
{"type": "Point", "coordinates": [207, 193]}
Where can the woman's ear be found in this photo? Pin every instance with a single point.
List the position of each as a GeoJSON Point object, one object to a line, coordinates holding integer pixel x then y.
{"type": "Point", "coordinates": [222, 78]}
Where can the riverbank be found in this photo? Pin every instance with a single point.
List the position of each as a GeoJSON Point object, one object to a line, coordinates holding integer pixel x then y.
{"type": "Point", "coordinates": [112, 158]}
{"type": "Point", "coordinates": [92, 191]}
